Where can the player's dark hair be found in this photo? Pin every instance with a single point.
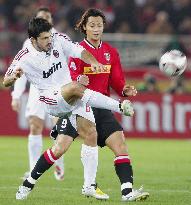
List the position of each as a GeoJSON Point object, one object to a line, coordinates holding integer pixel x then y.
{"type": "Point", "coordinates": [38, 26]}
{"type": "Point", "coordinates": [84, 19]}
{"type": "Point", "coordinates": [45, 9]}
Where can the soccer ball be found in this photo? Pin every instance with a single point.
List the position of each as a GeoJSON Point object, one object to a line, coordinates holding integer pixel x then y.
{"type": "Point", "coordinates": [173, 63]}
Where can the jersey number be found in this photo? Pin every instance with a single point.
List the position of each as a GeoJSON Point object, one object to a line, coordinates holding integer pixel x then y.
{"type": "Point", "coordinates": [64, 123]}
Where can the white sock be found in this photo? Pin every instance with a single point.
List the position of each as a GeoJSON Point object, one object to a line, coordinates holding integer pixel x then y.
{"type": "Point", "coordinates": [98, 100]}
{"type": "Point", "coordinates": [89, 158]}
{"type": "Point", "coordinates": [34, 149]}
{"type": "Point", "coordinates": [31, 180]}
{"type": "Point", "coordinates": [60, 163]}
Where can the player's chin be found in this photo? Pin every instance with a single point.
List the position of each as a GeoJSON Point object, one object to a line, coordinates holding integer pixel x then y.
{"type": "Point", "coordinates": [96, 37]}
{"type": "Point", "coordinates": [47, 49]}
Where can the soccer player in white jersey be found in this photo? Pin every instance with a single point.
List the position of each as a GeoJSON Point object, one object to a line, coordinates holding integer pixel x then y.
{"type": "Point", "coordinates": [44, 63]}
{"type": "Point", "coordinates": [35, 112]}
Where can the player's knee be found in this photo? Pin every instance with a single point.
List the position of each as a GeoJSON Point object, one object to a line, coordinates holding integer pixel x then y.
{"type": "Point", "coordinates": [35, 129]}
{"type": "Point", "coordinates": [36, 125]}
{"type": "Point", "coordinates": [77, 89]}
{"type": "Point", "coordinates": [122, 148]}
{"type": "Point", "coordinates": [70, 88]}
{"type": "Point", "coordinates": [61, 145]}
{"type": "Point", "coordinates": [71, 92]}
{"type": "Point", "coordinates": [90, 136]}
{"type": "Point", "coordinates": [116, 143]}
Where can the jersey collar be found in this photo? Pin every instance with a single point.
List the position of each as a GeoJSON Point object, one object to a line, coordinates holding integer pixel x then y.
{"type": "Point", "coordinates": [90, 45]}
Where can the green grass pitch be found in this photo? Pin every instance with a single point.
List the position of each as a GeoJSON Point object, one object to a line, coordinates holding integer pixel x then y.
{"type": "Point", "coordinates": [162, 166]}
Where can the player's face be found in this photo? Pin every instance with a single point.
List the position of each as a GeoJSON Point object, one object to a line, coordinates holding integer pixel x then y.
{"type": "Point", "coordinates": [45, 15]}
{"type": "Point", "coordinates": [94, 28]}
{"type": "Point", "coordinates": [43, 42]}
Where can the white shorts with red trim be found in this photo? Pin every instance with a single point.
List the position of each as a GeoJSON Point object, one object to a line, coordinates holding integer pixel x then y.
{"type": "Point", "coordinates": [82, 110]}
{"type": "Point", "coordinates": [34, 106]}
{"type": "Point", "coordinates": [56, 106]}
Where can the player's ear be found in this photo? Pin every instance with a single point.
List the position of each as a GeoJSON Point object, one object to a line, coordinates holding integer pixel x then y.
{"type": "Point", "coordinates": [33, 39]}
{"type": "Point", "coordinates": [84, 27]}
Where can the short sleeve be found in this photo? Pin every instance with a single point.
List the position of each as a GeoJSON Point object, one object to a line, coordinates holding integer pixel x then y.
{"type": "Point", "coordinates": [70, 48]}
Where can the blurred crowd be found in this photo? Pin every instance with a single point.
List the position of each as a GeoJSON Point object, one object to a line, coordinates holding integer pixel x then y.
{"type": "Point", "coordinates": [151, 84]}
{"type": "Point", "coordinates": [126, 16]}
{"type": "Point", "coordinates": [123, 16]}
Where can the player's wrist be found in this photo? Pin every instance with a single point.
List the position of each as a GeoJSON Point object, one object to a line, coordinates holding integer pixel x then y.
{"type": "Point", "coordinates": [123, 94]}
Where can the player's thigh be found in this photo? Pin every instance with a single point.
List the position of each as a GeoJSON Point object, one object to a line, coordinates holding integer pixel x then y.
{"type": "Point", "coordinates": [116, 142]}
{"type": "Point", "coordinates": [64, 127]}
{"type": "Point", "coordinates": [87, 130]}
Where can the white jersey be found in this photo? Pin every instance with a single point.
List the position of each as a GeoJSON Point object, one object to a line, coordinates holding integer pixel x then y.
{"type": "Point", "coordinates": [46, 70]}
{"type": "Point", "coordinates": [19, 87]}
{"type": "Point", "coordinates": [20, 84]}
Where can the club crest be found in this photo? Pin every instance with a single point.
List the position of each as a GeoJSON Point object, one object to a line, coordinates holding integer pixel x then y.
{"type": "Point", "coordinates": [55, 53]}
{"type": "Point", "coordinates": [73, 66]}
{"type": "Point", "coordinates": [107, 56]}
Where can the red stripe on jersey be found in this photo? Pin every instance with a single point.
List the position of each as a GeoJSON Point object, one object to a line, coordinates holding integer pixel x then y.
{"type": "Point", "coordinates": [21, 54]}
{"type": "Point", "coordinates": [47, 99]}
{"type": "Point", "coordinates": [48, 103]}
{"type": "Point", "coordinates": [88, 108]}
{"type": "Point", "coordinates": [9, 72]}
{"type": "Point", "coordinates": [47, 158]}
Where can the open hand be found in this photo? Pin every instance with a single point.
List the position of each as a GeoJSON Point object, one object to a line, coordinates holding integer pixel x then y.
{"type": "Point", "coordinates": [84, 80]}
{"type": "Point", "coordinates": [17, 73]}
{"type": "Point", "coordinates": [16, 104]}
{"type": "Point", "coordinates": [97, 67]}
{"type": "Point", "coordinates": [129, 90]}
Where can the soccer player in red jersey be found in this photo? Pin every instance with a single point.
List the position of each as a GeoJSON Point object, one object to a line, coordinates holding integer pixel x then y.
{"type": "Point", "coordinates": [110, 132]}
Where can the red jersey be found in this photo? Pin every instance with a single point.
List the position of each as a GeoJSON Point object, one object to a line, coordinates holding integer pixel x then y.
{"type": "Point", "coordinates": [112, 76]}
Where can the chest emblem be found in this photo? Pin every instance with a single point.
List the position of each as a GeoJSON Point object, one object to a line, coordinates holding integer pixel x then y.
{"type": "Point", "coordinates": [107, 56]}
{"type": "Point", "coordinates": [55, 53]}
{"type": "Point", "coordinates": [73, 66]}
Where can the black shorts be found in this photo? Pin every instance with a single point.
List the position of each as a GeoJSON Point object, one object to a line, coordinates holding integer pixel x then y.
{"type": "Point", "coordinates": [63, 126]}
{"type": "Point", "coordinates": [106, 124]}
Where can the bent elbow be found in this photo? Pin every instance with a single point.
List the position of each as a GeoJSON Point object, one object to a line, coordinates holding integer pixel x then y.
{"type": "Point", "coordinates": [5, 84]}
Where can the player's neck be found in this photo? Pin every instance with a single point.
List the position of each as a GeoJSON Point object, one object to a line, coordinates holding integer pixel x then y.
{"type": "Point", "coordinates": [94, 43]}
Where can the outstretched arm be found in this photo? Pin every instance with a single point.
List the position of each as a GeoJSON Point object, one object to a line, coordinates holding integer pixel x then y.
{"type": "Point", "coordinates": [88, 58]}
{"type": "Point", "coordinates": [74, 50]}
